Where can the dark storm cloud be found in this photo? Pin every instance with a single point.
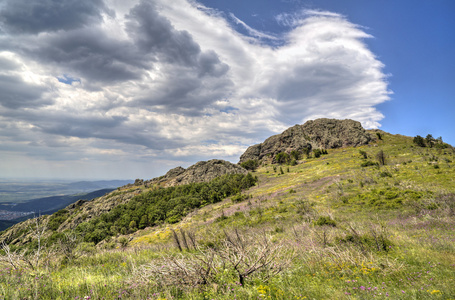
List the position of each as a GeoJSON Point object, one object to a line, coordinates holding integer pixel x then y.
{"type": "Point", "coordinates": [100, 127]}
{"type": "Point", "coordinates": [88, 53]}
{"type": "Point", "coordinates": [78, 126]}
{"type": "Point", "coordinates": [155, 35]}
{"type": "Point", "coordinates": [182, 91]}
{"type": "Point", "coordinates": [35, 16]}
{"type": "Point", "coordinates": [15, 93]}
{"type": "Point", "coordinates": [190, 79]}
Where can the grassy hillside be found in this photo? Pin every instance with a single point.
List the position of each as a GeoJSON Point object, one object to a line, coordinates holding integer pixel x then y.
{"type": "Point", "coordinates": [341, 226]}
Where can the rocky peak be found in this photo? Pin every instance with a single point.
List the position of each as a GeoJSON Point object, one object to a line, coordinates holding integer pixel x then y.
{"type": "Point", "coordinates": [202, 171]}
{"type": "Point", "coordinates": [315, 134]}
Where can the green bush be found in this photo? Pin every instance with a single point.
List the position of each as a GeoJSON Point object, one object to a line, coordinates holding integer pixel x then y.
{"type": "Point", "coordinates": [419, 141]}
{"type": "Point", "coordinates": [369, 163]}
{"type": "Point", "coordinates": [163, 205]}
{"type": "Point", "coordinates": [295, 154]}
{"type": "Point", "coordinates": [364, 154]}
{"type": "Point", "coordinates": [282, 158]}
{"type": "Point", "coordinates": [251, 164]}
{"type": "Point", "coordinates": [325, 221]}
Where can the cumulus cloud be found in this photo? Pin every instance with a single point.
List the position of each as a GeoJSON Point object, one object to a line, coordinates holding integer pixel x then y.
{"type": "Point", "coordinates": [169, 82]}
{"type": "Point", "coordinates": [24, 16]}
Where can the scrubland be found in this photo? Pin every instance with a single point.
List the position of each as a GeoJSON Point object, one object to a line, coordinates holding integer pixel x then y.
{"type": "Point", "coordinates": [345, 225]}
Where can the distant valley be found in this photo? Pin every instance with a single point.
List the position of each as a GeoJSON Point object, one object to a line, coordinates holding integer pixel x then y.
{"type": "Point", "coordinates": [22, 200]}
{"type": "Point", "coordinates": [21, 191]}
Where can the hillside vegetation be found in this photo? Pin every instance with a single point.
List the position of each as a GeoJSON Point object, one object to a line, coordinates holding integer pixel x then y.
{"type": "Point", "coordinates": [377, 220]}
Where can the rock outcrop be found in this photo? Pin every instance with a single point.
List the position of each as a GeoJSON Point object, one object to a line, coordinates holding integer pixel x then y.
{"type": "Point", "coordinates": [317, 134]}
{"type": "Point", "coordinates": [202, 171]}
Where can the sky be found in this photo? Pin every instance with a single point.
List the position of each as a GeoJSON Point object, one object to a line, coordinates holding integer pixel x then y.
{"type": "Point", "coordinates": [114, 89]}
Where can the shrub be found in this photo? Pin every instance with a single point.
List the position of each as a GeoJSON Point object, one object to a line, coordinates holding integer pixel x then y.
{"type": "Point", "coordinates": [282, 158]}
{"type": "Point", "coordinates": [429, 140]}
{"type": "Point", "coordinates": [363, 153]}
{"type": "Point", "coordinates": [239, 197]}
{"type": "Point", "coordinates": [381, 157]}
{"type": "Point", "coordinates": [368, 163]}
{"type": "Point", "coordinates": [419, 141]}
{"type": "Point", "coordinates": [325, 221]}
{"type": "Point", "coordinates": [295, 154]}
{"type": "Point", "coordinates": [251, 164]}
{"type": "Point", "coordinates": [385, 174]}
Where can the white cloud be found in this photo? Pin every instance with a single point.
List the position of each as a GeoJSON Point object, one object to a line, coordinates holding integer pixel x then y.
{"type": "Point", "coordinates": [167, 81]}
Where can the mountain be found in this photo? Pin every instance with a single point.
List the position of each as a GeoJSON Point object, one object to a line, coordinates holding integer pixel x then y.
{"type": "Point", "coordinates": [317, 134]}
{"type": "Point", "coordinates": [83, 211]}
{"type": "Point", "coordinates": [203, 171]}
{"type": "Point", "coordinates": [371, 217]}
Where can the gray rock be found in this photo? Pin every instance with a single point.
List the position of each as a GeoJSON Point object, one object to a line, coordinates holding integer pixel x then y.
{"type": "Point", "coordinates": [317, 134]}
{"type": "Point", "coordinates": [202, 171]}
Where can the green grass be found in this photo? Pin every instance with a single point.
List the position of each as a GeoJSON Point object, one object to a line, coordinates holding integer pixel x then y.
{"type": "Point", "coordinates": [340, 231]}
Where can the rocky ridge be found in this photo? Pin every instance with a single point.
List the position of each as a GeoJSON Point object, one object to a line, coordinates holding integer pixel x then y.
{"type": "Point", "coordinates": [315, 134]}
{"type": "Point", "coordinates": [203, 171]}
{"type": "Point", "coordinates": [83, 211]}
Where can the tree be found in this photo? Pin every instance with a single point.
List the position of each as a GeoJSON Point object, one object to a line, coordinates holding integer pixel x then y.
{"type": "Point", "coordinates": [133, 225]}
{"type": "Point", "coordinates": [282, 158]}
{"type": "Point", "coordinates": [430, 140]}
{"type": "Point", "coordinates": [419, 141]}
{"type": "Point", "coordinates": [295, 154]}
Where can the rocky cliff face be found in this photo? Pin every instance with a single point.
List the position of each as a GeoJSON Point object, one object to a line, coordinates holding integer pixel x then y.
{"type": "Point", "coordinates": [317, 134]}
{"type": "Point", "coordinates": [202, 171]}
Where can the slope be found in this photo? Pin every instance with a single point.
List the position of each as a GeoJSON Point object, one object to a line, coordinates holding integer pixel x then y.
{"type": "Point", "coordinates": [359, 222]}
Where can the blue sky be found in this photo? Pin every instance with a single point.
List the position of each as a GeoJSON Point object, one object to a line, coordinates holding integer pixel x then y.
{"type": "Point", "coordinates": [108, 89]}
{"type": "Point", "coordinates": [414, 40]}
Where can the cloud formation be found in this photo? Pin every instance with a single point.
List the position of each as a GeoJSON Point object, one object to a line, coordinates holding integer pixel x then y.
{"type": "Point", "coordinates": [170, 81]}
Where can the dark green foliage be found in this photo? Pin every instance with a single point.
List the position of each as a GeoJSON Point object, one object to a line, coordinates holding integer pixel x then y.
{"type": "Point", "coordinates": [319, 152]}
{"type": "Point", "coordinates": [429, 140]}
{"type": "Point", "coordinates": [239, 197]}
{"type": "Point", "coordinates": [307, 151]}
{"type": "Point", "coordinates": [295, 154]}
{"type": "Point", "coordinates": [325, 221]}
{"type": "Point", "coordinates": [251, 164]}
{"type": "Point", "coordinates": [282, 158]}
{"type": "Point", "coordinates": [368, 163]}
{"type": "Point", "coordinates": [385, 174]}
{"type": "Point", "coordinates": [364, 154]}
{"type": "Point", "coordinates": [163, 205]}
{"type": "Point", "coordinates": [379, 135]}
{"type": "Point", "coordinates": [57, 219]}
{"type": "Point", "coordinates": [419, 141]}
